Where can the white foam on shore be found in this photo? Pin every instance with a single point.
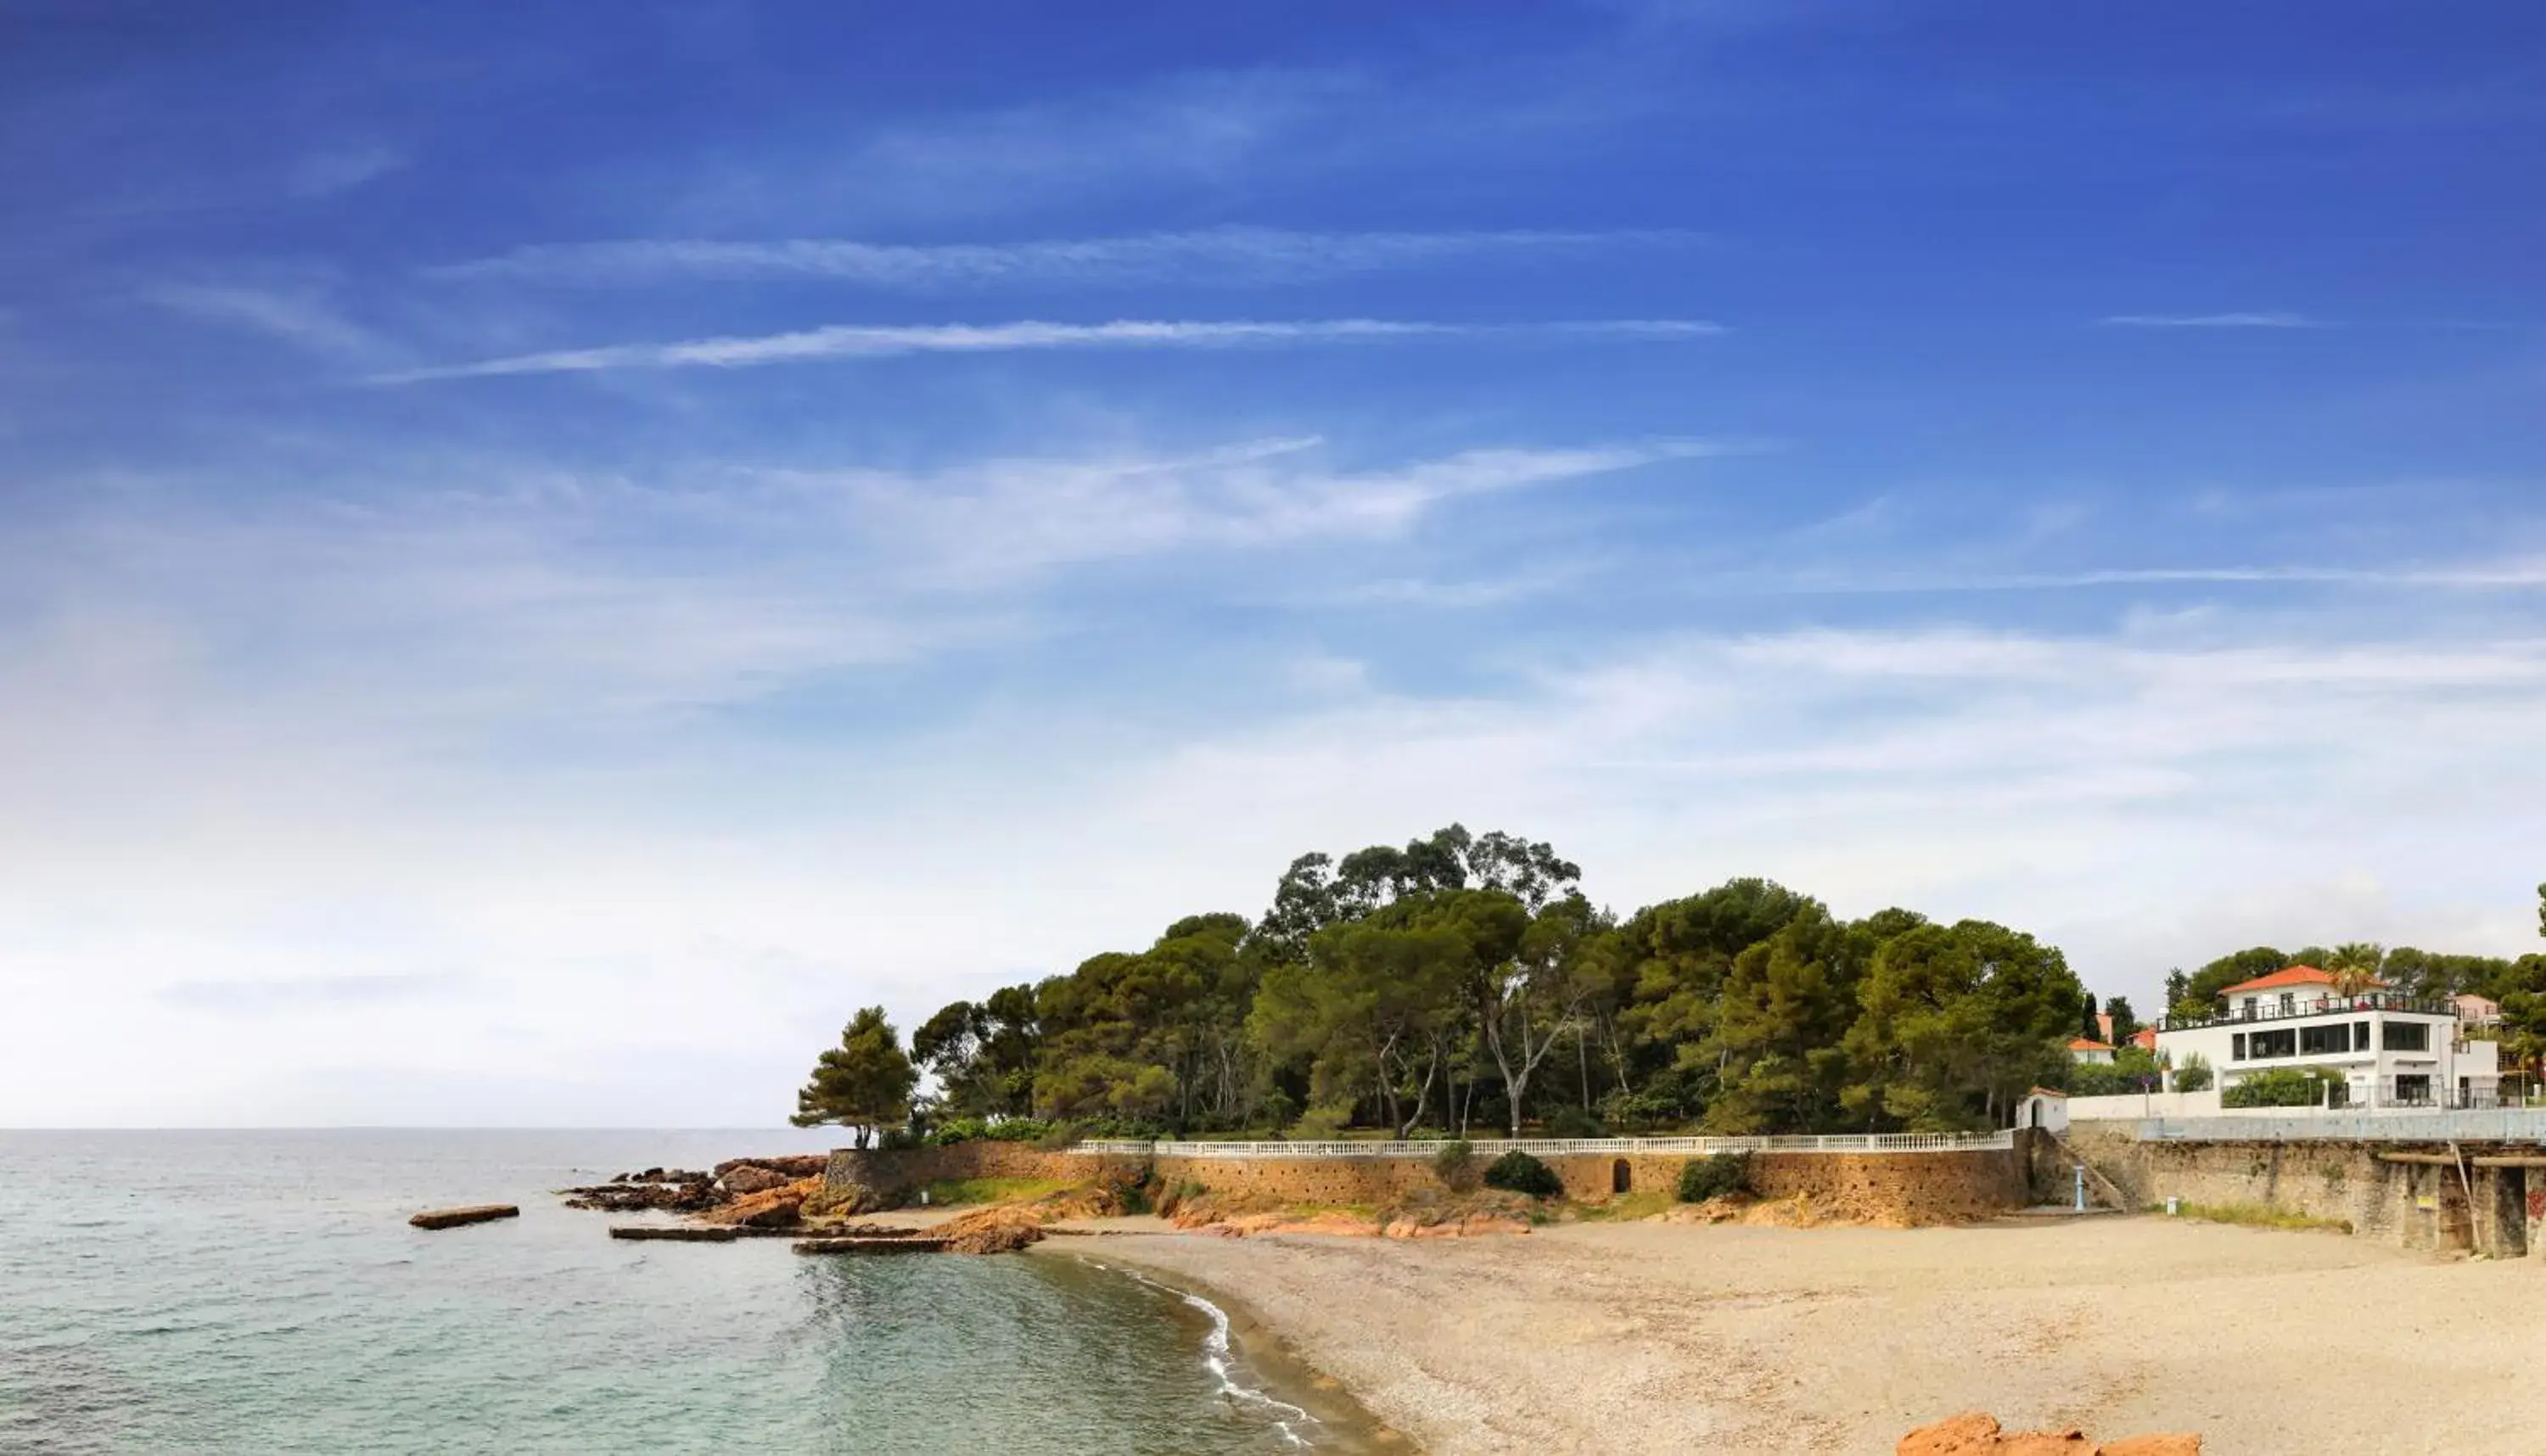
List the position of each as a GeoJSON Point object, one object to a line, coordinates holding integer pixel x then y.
{"type": "Point", "coordinates": [1218, 1358]}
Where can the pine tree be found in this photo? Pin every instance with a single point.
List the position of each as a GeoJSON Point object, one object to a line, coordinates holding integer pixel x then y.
{"type": "Point", "coordinates": [864, 1083]}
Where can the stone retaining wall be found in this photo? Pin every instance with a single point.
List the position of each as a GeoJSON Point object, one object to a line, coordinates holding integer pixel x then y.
{"type": "Point", "coordinates": [1910, 1187]}
{"type": "Point", "coordinates": [2412, 1205]}
{"type": "Point", "coordinates": [894, 1174]}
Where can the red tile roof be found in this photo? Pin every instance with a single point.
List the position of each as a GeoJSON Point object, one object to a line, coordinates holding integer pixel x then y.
{"type": "Point", "coordinates": [2146, 1037]}
{"type": "Point", "coordinates": [2285, 977]}
{"type": "Point", "coordinates": [2084, 1045]}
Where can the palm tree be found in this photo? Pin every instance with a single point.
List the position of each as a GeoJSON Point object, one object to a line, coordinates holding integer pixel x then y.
{"type": "Point", "coordinates": [2354, 966]}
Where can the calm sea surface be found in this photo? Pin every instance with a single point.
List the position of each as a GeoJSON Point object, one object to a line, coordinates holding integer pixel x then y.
{"type": "Point", "coordinates": [261, 1292]}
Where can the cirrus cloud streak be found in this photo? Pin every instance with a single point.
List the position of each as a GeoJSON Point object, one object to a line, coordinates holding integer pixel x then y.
{"type": "Point", "coordinates": [862, 341]}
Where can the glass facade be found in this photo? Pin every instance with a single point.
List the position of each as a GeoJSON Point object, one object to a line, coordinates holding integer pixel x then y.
{"type": "Point", "coordinates": [2407, 1036]}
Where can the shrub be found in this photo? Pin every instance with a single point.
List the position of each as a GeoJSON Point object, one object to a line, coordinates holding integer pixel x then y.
{"type": "Point", "coordinates": [1518, 1172]}
{"type": "Point", "coordinates": [2195, 1075]}
{"type": "Point", "coordinates": [1574, 1122]}
{"type": "Point", "coordinates": [987, 1130]}
{"type": "Point", "coordinates": [1456, 1165]}
{"type": "Point", "coordinates": [1702, 1178]}
{"type": "Point", "coordinates": [1658, 1106]}
{"type": "Point", "coordinates": [2286, 1086]}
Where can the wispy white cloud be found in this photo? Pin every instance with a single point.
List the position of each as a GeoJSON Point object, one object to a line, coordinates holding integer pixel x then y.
{"type": "Point", "coordinates": [1008, 519]}
{"type": "Point", "coordinates": [1223, 254]}
{"type": "Point", "coordinates": [1194, 132]}
{"type": "Point", "coordinates": [851, 341]}
{"type": "Point", "coordinates": [302, 317]}
{"type": "Point", "coordinates": [2211, 320]}
{"type": "Point", "coordinates": [2507, 574]}
{"type": "Point", "coordinates": [344, 168]}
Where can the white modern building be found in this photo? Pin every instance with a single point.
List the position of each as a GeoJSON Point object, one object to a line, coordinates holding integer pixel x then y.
{"type": "Point", "coordinates": [2391, 1051]}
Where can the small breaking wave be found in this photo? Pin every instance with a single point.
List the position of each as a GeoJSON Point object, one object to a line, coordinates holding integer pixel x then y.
{"type": "Point", "coordinates": [1220, 1359]}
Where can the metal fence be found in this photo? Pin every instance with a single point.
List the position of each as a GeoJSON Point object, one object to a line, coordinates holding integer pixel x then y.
{"type": "Point", "coordinates": [2385, 1125]}
{"type": "Point", "coordinates": [1571, 1147]}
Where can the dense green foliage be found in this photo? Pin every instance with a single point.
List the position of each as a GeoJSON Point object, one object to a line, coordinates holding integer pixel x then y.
{"type": "Point", "coordinates": [1456, 1165]}
{"type": "Point", "coordinates": [2125, 1020]}
{"type": "Point", "coordinates": [2194, 1076]}
{"type": "Point", "coordinates": [2132, 1070]}
{"type": "Point", "coordinates": [1702, 1178]}
{"type": "Point", "coordinates": [1518, 1172]}
{"type": "Point", "coordinates": [1463, 981]}
{"type": "Point", "coordinates": [2286, 1086]}
{"type": "Point", "coordinates": [864, 1082]}
{"type": "Point", "coordinates": [985, 1129]}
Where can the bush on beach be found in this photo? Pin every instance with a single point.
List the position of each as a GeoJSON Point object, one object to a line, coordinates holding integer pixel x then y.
{"type": "Point", "coordinates": [1518, 1172]}
{"type": "Point", "coordinates": [1702, 1178]}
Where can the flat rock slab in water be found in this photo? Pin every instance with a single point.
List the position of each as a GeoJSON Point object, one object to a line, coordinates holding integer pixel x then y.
{"type": "Point", "coordinates": [675, 1233]}
{"type": "Point", "coordinates": [453, 1218]}
{"type": "Point", "coordinates": [869, 1244]}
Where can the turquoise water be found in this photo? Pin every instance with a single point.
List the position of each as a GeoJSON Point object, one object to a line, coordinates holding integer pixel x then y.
{"type": "Point", "coordinates": [260, 1291]}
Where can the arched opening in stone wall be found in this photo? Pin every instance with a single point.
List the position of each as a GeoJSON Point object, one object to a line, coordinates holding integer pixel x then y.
{"type": "Point", "coordinates": [1622, 1178]}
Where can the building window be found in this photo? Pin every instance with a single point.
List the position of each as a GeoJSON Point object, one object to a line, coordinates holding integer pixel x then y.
{"type": "Point", "coordinates": [2321, 1040]}
{"type": "Point", "coordinates": [2289, 1002]}
{"type": "Point", "coordinates": [2237, 1048]}
{"type": "Point", "coordinates": [2267, 1044]}
{"type": "Point", "coordinates": [2407, 1036]}
{"type": "Point", "coordinates": [2413, 1091]}
{"type": "Point", "coordinates": [2250, 1008]}
{"type": "Point", "coordinates": [2360, 1034]}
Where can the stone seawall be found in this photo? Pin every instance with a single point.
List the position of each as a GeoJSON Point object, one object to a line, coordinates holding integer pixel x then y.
{"type": "Point", "coordinates": [1912, 1187]}
{"type": "Point", "coordinates": [894, 1176]}
{"type": "Point", "coordinates": [2432, 1204]}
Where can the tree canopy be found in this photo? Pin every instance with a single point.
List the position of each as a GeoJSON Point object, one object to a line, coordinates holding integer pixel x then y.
{"type": "Point", "coordinates": [1462, 981]}
{"type": "Point", "coordinates": [864, 1082]}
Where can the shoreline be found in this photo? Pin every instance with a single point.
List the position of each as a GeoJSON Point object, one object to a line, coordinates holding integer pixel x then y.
{"type": "Point", "coordinates": [1344, 1422]}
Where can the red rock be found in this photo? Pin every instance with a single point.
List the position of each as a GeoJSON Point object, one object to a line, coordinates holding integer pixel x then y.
{"type": "Point", "coordinates": [1976, 1434]}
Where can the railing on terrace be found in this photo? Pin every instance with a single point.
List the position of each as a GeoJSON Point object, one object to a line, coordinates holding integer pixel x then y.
{"type": "Point", "coordinates": [2326, 1006]}
{"type": "Point", "coordinates": [2383, 1125]}
{"type": "Point", "coordinates": [1571, 1147]}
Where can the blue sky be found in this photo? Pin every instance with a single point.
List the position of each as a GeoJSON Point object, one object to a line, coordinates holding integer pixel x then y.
{"type": "Point", "coordinates": [543, 560]}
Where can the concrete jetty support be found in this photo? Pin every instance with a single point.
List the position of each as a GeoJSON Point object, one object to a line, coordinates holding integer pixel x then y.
{"type": "Point", "coordinates": [453, 1218]}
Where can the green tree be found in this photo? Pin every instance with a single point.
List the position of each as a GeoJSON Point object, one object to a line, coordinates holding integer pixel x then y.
{"type": "Point", "coordinates": [1523, 975]}
{"type": "Point", "coordinates": [2200, 995]}
{"type": "Point", "coordinates": [1375, 1000]}
{"type": "Point", "coordinates": [1781, 1020]}
{"type": "Point", "coordinates": [864, 1082]}
{"type": "Point", "coordinates": [1957, 1022]}
{"type": "Point", "coordinates": [983, 1054]}
{"type": "Point", "coordinates": [1672, 960]}
{"type": "Point", "coordinates": [2126, 1022]}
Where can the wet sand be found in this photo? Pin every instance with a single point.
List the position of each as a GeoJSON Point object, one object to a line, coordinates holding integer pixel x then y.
{"type": "Point", "coordinates": [1630, 1337]}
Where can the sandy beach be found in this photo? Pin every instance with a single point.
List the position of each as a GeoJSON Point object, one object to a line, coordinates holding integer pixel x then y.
{"type": "Point", "coordinates": [1646, 1337]}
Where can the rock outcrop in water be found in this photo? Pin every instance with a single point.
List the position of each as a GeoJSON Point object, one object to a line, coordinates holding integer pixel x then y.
{"type": "Point", "coordinates": [760, 1192]}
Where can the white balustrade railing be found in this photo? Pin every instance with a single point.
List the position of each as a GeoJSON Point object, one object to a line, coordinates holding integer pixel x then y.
{"type": "Point", "coordinates": [1571, 1147]}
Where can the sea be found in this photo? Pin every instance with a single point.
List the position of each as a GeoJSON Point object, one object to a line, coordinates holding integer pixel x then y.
{"type": "Point", "coordinates": [261, 1292]}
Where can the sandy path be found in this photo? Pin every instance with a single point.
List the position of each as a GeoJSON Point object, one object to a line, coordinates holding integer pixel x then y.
{"type": "Point", "coordinates": [1668, 1337]}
